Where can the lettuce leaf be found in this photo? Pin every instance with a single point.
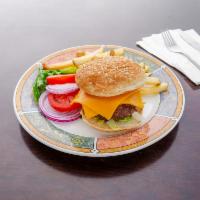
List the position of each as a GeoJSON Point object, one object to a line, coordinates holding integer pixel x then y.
{"type": "Point", "coordinates": [126, 119]}
{"type": "Point", "coordinates": [39, 85]}
{"type": "Point", "coordinates": [112, 124]}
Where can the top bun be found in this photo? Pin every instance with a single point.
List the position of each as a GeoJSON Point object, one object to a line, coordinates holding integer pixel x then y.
{"type": "Point", "coordinates": [109, 76]}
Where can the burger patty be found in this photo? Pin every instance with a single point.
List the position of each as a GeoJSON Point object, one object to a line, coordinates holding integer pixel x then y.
{"type": "Point", "coordinates": [122, 111]}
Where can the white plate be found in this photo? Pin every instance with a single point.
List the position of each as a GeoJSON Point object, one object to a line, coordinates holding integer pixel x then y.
{"type": "Point", "coordinates": [161, 113]}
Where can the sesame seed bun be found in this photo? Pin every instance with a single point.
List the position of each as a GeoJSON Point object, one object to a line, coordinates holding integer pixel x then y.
{"type": "Point", "coordinates": [109, 76]}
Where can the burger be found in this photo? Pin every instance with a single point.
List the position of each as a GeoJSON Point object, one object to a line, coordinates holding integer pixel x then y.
{"type": "Point", "coordinates": [109, 93]}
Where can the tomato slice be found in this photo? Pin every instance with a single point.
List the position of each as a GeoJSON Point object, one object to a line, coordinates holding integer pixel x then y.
{"type": "Point", "coordinates": [60, 79]}
{"type": "Point", "coordinates": [62, 102]}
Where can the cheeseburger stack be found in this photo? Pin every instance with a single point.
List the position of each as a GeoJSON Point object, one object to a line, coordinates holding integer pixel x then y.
{"type": "Point", "coordinates": [109, 93]}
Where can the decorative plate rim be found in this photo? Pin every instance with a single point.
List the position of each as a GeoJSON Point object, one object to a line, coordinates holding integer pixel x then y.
{"type": "Point", "coordinates": [93, 154]}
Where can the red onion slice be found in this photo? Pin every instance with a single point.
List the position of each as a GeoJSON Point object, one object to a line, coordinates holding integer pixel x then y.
{"type": "Point", "coordinates": [51, 114]}
{"type": "Point", "coordinates": [62, 88]}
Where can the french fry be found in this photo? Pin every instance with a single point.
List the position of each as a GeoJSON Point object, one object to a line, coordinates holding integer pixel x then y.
{"type": "Point", "coordinates": [60, 65]}
{"type": "Point", "coordinates": [80, 53]}
{"type": "Point", "coordinates": [81, 60]}
{"type": "Point", "coordinates": [113, 52]}
{"type": "Point", "coordinates": [104, 54]}
{"type": "Point", "coordinates": [154, 90]}
{"type": "Point", "coordinates": [142, 65]}
{"type": "Point", "coordinates": [117, 52]}
{"type": "Point", "coordinates": [152, 81]}
{"type": "Point", "coordinates": [146, 68]}
{"type": "Point", "coordinates": [148, 74]}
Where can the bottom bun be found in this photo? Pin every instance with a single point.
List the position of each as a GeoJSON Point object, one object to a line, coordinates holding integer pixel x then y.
{"type": "Point", "coordinates": [121, 126]}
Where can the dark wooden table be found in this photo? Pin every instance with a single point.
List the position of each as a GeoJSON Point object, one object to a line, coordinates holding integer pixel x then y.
{"type": "Point", "coordinates": [29, 170]}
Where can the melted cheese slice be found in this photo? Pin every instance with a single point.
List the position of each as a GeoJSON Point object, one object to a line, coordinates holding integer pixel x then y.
{"type": "Point", "coordinates": [89, 113]}
{"type": "Point", "coordinates": [106, 106]}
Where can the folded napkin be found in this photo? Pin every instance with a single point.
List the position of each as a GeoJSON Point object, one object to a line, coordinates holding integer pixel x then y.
{"type": "Point", "coordinates": [154, 44]}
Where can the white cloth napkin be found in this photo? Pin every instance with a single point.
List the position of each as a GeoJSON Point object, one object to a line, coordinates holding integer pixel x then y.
{"type": "Point", "coordinates": [154, 44]}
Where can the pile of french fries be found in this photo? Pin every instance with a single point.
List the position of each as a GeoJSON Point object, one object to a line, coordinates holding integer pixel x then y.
{"type": "Point", "coordinates": [152, 84]}
{"type": "Point", "coordinates": [83, 57]}
{"type": "Point", "coordinates": [99, 53]}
